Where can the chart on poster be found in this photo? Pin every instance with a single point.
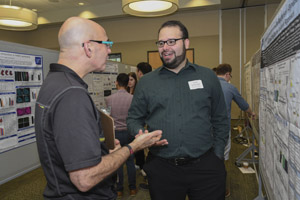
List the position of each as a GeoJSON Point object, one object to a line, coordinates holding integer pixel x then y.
{"type": "Point", "coordinates": [21, 76]}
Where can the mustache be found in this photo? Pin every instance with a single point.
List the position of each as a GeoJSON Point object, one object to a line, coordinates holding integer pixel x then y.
{"type": "Point", "coordinates": [168, 51]}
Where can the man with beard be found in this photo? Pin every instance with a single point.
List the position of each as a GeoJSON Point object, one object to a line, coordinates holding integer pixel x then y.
{"type": "Point", "coordinates": [186, 102]}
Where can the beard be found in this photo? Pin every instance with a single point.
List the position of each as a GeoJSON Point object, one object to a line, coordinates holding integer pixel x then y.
{"type": "Point", "coordinates": [173, 64]}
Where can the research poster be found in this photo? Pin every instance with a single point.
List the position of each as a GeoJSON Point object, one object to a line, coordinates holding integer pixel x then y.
{"type": "Point", "coordinates": [279, 107]}
{"type": "Point", "coordinates": [102, 84]}
{"type": "Point", "coordinates": [21, 76]}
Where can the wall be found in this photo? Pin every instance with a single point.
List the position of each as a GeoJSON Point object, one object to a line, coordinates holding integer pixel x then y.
{"type": "Point", "coordinates": [13, 36]}
{"type": "Point", "coordinates": [206, 51]}
{"type": "Point", "coordinates": [231, 48]}
{"type": "Point", "coordinates": [241, 33]}
{"type": "Point", "coordinates": [134, 36]}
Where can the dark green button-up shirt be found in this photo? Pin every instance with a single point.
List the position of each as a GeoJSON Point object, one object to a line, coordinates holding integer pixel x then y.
{"type": "Point", "coordinates": [188, 107]}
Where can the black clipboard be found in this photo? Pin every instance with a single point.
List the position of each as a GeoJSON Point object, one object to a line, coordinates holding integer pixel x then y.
{"type": "Point", "coordinates": [108, 127]}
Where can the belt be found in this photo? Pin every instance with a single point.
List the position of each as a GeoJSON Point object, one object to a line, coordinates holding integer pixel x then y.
{"type": "Point", "coordinates": [185, 160]}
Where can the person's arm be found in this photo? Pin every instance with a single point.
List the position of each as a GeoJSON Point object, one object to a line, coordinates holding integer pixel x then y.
{"type": "Point", "coordinates": [76, 136]}
{"type": "Point", "coordinates": [242, 103]}
{"type": "Point", "coordinates": [250, 113]}
{"type": "Point", "coordinates": [137, 112]}
{"type": "Point", "coordinates": [85, 179]}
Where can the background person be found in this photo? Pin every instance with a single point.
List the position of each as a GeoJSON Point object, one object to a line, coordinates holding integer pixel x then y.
{"type": "Point", "coordinates": [75, 163]}
{"type": "Point", "coordinates": [119, 104]}
{"type": "Point", "coordinates": [223, 72]}
{"type": "Point", "coordinates": [186, 102]}
{"type": "Point", "coordinates": [143, 68]}
{"type": "Point", "coordinates": [214, 69]}
{"type": "Point", "coordinates": [132, 82]}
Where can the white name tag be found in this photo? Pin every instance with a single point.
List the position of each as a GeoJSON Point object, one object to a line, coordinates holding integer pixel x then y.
{"type": "Point", "coordinates": [196, 84]}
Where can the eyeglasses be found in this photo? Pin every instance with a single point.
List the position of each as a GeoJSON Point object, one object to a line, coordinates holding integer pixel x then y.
{"type": "Point", "coordinates": [230, 75]}
{"type": "Point", "coordinates": [107, 43]}
{"type": "Point", "coordinates": [170, 42]}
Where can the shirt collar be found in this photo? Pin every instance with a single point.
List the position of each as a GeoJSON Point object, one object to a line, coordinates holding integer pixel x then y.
{"type": "Point", "coordinates": [55, 67]}
{"type": "Point", "coordinates": [221, 79]}
{"type": "Point", "coordinates": [121, 90]}
{"type": "Point", "coordinates": [188, 65]}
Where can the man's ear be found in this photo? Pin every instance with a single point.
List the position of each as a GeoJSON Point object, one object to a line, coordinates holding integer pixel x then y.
{"type": "Point", "coordinates": [87, 50]}
{"type": "Point", "coordinates": [187, 43]}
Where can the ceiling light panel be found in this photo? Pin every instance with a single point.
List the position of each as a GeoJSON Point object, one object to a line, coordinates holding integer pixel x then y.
{"type": "Point", "coordinates": [149, 8]}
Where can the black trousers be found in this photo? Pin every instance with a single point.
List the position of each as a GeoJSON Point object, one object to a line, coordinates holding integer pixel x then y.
{"type": "Point", "coordinates": [140, 158]}
{"type": "Point", "coordinates": [204, 179]}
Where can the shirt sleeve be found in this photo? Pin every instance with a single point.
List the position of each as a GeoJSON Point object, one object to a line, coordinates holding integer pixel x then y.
{"type": "Point", "coordinates": [219, 118]}
{"type": "Point", "coordinates": [76, 130]}
{"type": "Point", "coordinates": [137, 112]}
{"type": "Point", "coordinates": [239, 100]}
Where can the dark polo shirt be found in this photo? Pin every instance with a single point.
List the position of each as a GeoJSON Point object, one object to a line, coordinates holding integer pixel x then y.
{"type": "Point", "coordinates": [67, 131]}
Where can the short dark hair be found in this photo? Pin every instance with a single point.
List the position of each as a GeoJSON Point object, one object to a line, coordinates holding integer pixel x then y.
{"type": "Point", "coordinates": [183, 29]}
{"type": "Point", "coordinates": [224, 68]}
{"type": "Point", "coordinates": [123, 79]}
{"type": "Point", "coordinates": [144, 67]}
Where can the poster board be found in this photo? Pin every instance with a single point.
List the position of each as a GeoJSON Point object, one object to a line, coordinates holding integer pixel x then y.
{"type": "Point", "coordinates": [102, 84]}
{"type": "Point", "coordinates": [255, 71]}
{"type": "Point", "coordinates": [279, 108]}
{"type": "Point", "coordinates": [248, 85]}
{"type": "Point", "coordinates": [19, 155]}
{"type": "Point", "coordinates": [21, 76]}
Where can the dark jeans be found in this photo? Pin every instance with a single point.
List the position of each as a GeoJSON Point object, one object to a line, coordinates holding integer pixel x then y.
{"type": "Point", "coordinates": [201, 180]}
{"type": "Point", "coordinates": [125, 138]}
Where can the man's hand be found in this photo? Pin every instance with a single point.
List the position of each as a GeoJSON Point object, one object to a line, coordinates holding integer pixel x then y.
{"type": "Point", "coordinates": [117, 146]}
{"type": "Point", "coordinates": [146, 139]}
{"type": "Point", "coordinates": [162, 142]}
{"type": "Point", "coordinates": [251, 115]}
{"type": "Point", "coordinates": [158, 143]}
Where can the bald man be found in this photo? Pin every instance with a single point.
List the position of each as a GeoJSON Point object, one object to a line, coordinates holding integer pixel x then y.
{"type": "Point", "coordinates": [76, 164]}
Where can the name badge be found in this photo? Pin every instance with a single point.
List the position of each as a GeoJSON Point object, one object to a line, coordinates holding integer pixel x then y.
{"type": "Point", "coordinates": [196, 84]}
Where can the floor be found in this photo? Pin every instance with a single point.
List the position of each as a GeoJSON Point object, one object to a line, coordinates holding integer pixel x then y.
{"type": "Point", "coordinates": [31, 185]}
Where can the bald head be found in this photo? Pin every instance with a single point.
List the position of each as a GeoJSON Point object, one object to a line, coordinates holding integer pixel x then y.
{"type": "Point", "coordinates": [77, 50]}
{"type": "Point", "coordinates": [77, 30]}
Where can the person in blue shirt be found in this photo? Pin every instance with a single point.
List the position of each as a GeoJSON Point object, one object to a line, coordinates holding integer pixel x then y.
{"type": "Point", "coordinates": [223, 72]}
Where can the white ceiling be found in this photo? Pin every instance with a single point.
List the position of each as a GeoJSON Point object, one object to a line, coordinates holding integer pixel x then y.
{"type": "Point", "coordinates": [54, 11]}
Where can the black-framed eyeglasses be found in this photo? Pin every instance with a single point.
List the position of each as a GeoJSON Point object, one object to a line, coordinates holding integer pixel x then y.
{"type": "Point", "coordinates": [230, 75]}
{"type": "Point", "coordinates": [170, 42]}
{"type": "Point", "coordinates": [107, 43]}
